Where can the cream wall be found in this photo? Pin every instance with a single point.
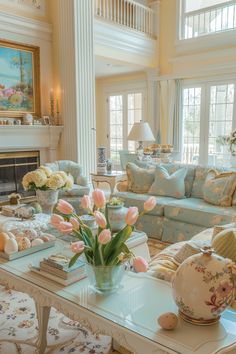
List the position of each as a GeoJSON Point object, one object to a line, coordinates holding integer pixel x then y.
{"type": "Point", "coordinates": [203, 55]}
{"type": "Point", "coordinates": [6, 6]}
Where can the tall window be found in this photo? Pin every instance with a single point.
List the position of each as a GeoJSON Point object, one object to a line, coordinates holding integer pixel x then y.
{"type": "Point", "coordinates": [208, 113]}
{"type": "Point", "coordinates": [202, 17]}
{"type": "Point", "coordinates": [123, 111]}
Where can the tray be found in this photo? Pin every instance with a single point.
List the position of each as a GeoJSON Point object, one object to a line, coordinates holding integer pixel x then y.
{"type": "Point", "coordinates": [43, 246]}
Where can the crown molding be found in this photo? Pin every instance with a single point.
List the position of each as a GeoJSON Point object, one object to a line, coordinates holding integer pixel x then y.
{"type": "Point", "coordinates": [10, 23]}
{"type": "Point", "coordinates": [114, 36]}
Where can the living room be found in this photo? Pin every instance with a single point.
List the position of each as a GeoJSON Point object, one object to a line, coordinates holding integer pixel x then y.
{"type": "Point", "coordinates": [95, 70]}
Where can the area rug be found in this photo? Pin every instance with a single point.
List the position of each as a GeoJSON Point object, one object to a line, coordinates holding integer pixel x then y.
{"type": "Point", "coordinates": [19, 329]}
{"type": "Point", "coordinates": [19, 325]}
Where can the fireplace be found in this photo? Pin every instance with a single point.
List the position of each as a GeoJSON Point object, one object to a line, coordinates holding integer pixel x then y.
{"type": "Point", "coordinates": [13, 166]}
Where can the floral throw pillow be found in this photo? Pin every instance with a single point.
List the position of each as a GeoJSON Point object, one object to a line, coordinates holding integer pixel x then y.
{"type": "Point", "coordinates": [169, 185]}
{"type": "Point", "coordinates": [139, 179]}
{"type": "Point", "coordinates": [218, 188]}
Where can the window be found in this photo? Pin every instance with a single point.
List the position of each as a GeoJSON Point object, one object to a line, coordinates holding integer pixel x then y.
{"type": "Point", "coordinates": [207, 113]}
{"type": "Point", "coordinates": [123, 111]}
{"type": "Point", "coordinates": [202, 17]}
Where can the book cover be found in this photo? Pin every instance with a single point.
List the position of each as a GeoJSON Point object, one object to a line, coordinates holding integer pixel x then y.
{"type": "Point", "coordinates": [65, 274]}
{"type": "Point", "coordinates": [59, 280]}
{"type": "Point", "coordinates": [61, 261]}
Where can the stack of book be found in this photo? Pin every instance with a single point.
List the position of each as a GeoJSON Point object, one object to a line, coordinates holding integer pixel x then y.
{"type": "Point", "coordinates": [56, 267]}
{"type": "Point", "coordinates": [10, 210]}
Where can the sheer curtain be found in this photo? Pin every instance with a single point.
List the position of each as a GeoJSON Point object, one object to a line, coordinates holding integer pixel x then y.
{"type": "Point", "coordinates": [169, 99]}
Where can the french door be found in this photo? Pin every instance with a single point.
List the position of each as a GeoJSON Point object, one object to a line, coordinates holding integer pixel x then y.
{"type": "Point", "coordinates": [208, 112]}
{"type": "Point", "coordinates": [124, 109]}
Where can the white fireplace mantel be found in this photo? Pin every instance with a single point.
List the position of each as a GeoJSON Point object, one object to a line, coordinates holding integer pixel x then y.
{"type": "Point", "coordinates": [44, 138]}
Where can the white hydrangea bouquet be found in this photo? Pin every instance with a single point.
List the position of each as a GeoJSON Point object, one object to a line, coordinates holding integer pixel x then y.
{"type": "Point", "coordinates": [44, 179]}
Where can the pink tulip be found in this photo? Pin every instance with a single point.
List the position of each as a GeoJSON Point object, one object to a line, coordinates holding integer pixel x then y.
{"type": "Point", "coordinates": [99, 198]}
{"type": "Point", "coordinates": [104, 236]}
{"type": "Point", "coordinates": [140, 264]}
{"type": "Point", "coordinates": [150, 204]}
{"type": "Point", "coordinates": [64, 207]}
{"type": "Point", "coordinates": [75, 223]}
{"type": "Point", "coordinates": [77, 247]}
{"type": "Point", "coordinates": [131, 216]}
{"type": "Point", "coordinates": [65, 227]}
{"type": "Point", "coordinates": [85, 202]}
{"type": "Point", "coordinates": [100, 219]}
{"type": "Point", "coordinates": [55, 220]}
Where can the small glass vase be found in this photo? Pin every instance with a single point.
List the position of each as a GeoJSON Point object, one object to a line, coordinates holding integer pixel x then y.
{"type": "Point", "coordinates": [105, 279]}
{"type": "Point", "coordinates": [47, 199]}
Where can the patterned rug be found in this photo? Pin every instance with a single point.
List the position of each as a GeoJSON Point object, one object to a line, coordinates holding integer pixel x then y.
{"type": "Point", "coordinates": [19, 325]}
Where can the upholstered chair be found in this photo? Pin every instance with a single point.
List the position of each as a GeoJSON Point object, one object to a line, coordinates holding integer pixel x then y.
{"type": "Point", "coordinates": [80, 187]}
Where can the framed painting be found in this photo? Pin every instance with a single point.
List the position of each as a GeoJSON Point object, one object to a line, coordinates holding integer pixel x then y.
{"type": "Point", "coordinates": [19, 80]}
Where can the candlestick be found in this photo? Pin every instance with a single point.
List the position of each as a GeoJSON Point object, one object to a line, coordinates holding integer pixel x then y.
{"type": "Point", "coordinates": [51, 103]}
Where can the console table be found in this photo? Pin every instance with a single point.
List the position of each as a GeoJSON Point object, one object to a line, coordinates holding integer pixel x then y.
{"type": "Point", "coordinates": [129, 316]}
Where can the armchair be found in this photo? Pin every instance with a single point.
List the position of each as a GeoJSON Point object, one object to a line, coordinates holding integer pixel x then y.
{"type": "Point", "coordinates": [80, 187]}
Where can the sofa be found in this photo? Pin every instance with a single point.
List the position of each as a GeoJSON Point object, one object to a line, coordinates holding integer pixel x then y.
{"type": "Point", "coordinates": [177, 219]}
{"type": "Point", "coordinates": [80, 187]}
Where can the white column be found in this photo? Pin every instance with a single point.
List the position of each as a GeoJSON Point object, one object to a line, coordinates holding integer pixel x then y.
{"type": "Point", "coordinates": [77, 78]}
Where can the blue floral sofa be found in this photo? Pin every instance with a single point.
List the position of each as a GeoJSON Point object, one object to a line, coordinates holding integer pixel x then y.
{"type": "Point", "coordinates": [80, 187]}
{"type": "Point", "coordinates": [178, 219]}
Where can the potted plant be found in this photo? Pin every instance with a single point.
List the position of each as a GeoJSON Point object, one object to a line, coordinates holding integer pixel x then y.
{"type": "Point", "coordinates": [105, 252]}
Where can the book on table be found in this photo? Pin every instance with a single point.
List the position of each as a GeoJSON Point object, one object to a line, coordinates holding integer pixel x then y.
{"type": "Point", "coordinates": [56, 267]}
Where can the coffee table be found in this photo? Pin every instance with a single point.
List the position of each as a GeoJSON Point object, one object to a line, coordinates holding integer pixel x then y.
{"type": "Point", "coordinates": [129, 315]}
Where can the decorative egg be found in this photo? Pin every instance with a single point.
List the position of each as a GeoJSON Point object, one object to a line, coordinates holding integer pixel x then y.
{"type": "Point", "coordinates": [37, 242]}
{"type": "Point", "coordinates": [168, 320]}
{"type": "Point", "coordinates": [45, 238]}
{"type": "Point", "coordinates": [11, 246]}
{"type": "Point", "coordinates": [30, 233]}
{"type": "Point", "coordinates": [3, 239]}
{"type": "Point", "coordinates": [11, 235]}
{"type": "Point", "coordinates": [203, 287]}
{"type": "Point", "coordinates": [49, 237]}
{"type": "Point", "coordinates": [23, 243]}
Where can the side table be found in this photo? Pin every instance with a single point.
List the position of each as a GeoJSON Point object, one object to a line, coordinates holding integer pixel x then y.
{"type": "Point", "coordinates": [111, 178]}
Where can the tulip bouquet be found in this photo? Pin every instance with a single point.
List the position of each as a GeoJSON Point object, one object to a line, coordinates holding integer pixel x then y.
{"type": "Point", "coordinates": [104, 248]}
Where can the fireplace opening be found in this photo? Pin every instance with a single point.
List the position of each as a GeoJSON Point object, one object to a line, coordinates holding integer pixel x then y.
{"type": "Point", "coordinates": [13, 166]}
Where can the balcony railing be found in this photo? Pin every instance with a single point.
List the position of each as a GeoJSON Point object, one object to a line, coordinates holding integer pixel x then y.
{"type": "Point", "coordinates": [127, 13]}
{"type": "Point", "coordinates": [217, 18]}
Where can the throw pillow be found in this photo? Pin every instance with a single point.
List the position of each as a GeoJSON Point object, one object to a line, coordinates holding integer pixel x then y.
{"type": "Point", "coordinates": [139, 179]}
{"type": "Point", "coordinates": [218, 228]}
{"type": "Point", "coordinates": [169, 185]}
{"type": "Point", "coordinates": [224, 244]}
{"type": "Point", "coordinates": [218, 188]}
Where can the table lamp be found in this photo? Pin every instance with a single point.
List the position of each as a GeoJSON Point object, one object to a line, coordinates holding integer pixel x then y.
{"type": "Point", "coordinates": [141, 132]}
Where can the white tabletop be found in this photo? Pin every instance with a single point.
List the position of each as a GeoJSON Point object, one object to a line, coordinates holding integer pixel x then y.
{"type": "Point", "coordinates": [134, 308]}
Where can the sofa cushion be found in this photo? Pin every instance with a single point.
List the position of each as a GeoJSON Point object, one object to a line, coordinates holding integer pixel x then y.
{"type": "Point", "coordinates": [169, 185]}
{"type": "Point", "coordinates": [134, 199]}
{"type": "Point", "coordinates": [218, 188]}
{"type": "Point", "coordinates": [199, 180]}
{"type": "Point", "coordinates": [197, 211]}
{"type": "Point", "coordinates": [139, 179]}
{"type": "Point", "coordinates": [189, 178]}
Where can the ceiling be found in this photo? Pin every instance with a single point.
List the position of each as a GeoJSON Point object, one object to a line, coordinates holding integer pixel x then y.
{"type": "Point", "coordinates": [108, 67]}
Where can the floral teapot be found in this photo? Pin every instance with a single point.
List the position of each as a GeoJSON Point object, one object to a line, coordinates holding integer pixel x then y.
{"type": "Point", "coordinates": [203, 287]}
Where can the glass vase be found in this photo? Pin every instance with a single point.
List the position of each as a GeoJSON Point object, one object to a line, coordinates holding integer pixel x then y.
{"type": "Point", "coordinates": [47, 199]}
{"type": "Point", "coordinates": [105, 279]}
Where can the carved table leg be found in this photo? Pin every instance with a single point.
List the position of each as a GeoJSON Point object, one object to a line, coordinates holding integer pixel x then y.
{"type": "Point", "coordinates": [43, 316]}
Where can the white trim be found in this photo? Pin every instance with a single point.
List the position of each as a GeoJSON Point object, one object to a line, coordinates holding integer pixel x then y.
{"type": "Point", "coordinates": [24, 26]}
{"type": "Point", "coordinates": [207, 41]}
{"type": "Point", "coordinates": [114, 36]}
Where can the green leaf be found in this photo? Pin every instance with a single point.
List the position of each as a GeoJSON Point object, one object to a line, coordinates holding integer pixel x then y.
{"type": "Point", "coordinates": [74, 259]}
{"type": "Point", "coordinates": [107, 218]}
{"type": "Point", "coordinates": [117, 241]}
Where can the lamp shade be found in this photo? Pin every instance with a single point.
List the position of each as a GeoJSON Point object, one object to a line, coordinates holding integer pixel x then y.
{"type": "Point", "coordinates": [141, 131]}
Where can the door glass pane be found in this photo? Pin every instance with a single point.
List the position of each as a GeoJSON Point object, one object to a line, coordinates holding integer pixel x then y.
{"type": "Point", "coordinates": [116, 128]}
{"type": "Point", "coordinates": [135, 109]}
{"type": "Point", "coordinates": [191, 124]}
{"type": "Point", "coordinates": [220, 121]}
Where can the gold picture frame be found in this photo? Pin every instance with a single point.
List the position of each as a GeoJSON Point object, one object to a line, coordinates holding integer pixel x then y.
{"type": "Point", "coordinates": [19, 80]}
